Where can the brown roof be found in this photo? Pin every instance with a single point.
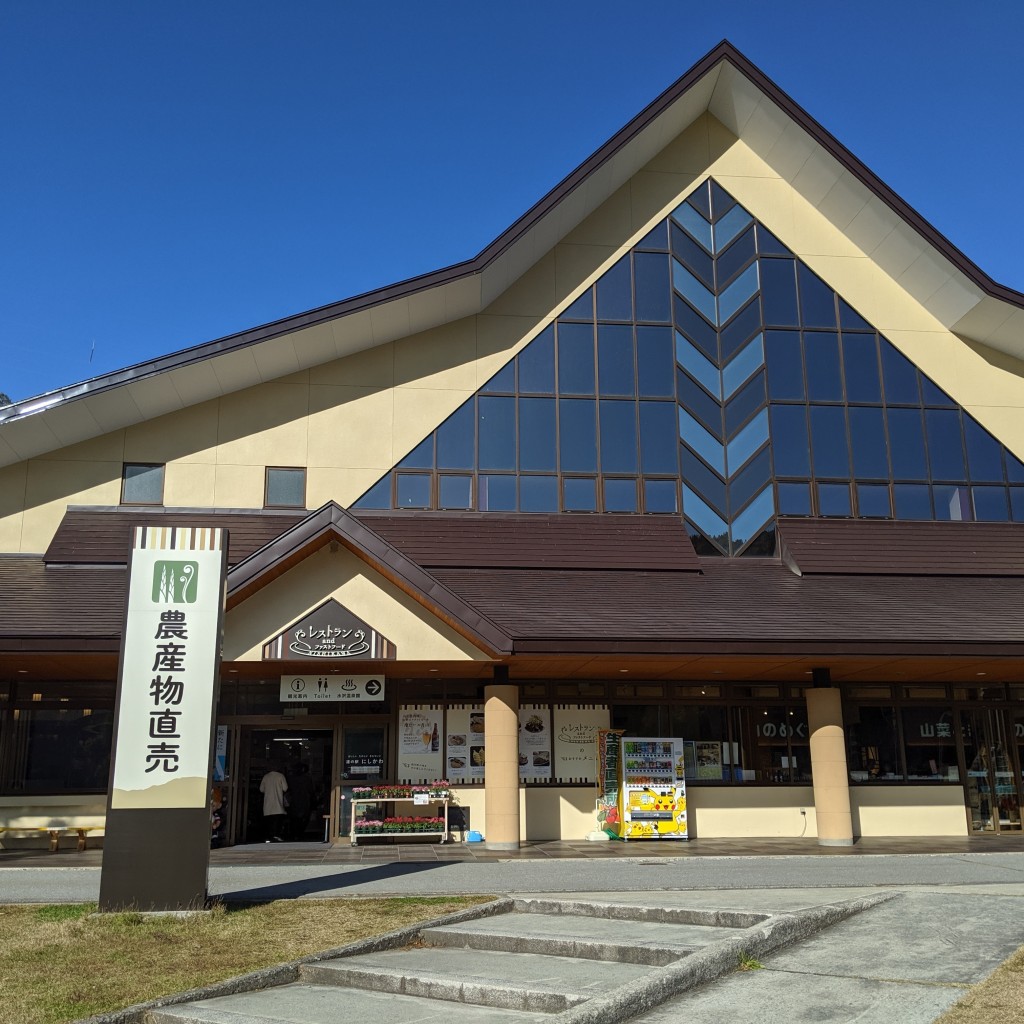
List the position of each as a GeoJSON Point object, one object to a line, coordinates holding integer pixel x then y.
{"type": "Point", "coordinates": [488, 539]}
{"type": "Point", "coordinates": [752, 603]}
{"type": "Point", "coordinates": [864, 546]}
{"type": "Point", "coordinates": [103, 536]}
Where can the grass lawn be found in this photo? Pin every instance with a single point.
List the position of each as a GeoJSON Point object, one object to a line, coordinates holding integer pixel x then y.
{"type": "Point", "coordinates": [999, 999]}
{"type": "Point", "coordinates": [58, 963]}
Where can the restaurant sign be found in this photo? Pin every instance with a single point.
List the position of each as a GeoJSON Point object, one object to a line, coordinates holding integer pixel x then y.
{"type": "Point", "coordinates": [330, 631]}
{"type": "Point", "coordinates": [313, 689]}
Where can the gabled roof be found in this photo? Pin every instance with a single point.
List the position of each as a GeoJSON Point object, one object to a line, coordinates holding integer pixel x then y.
{"type": "Point", "coordinates": [331, 523]}
{"type": "Point", "coordinates": [725, 84]}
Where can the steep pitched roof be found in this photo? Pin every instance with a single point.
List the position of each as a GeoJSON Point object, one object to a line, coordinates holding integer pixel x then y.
{"type": "Point", "coordinates": [723, 83]}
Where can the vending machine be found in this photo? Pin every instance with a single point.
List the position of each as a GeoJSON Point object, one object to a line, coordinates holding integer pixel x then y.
{"type": "Point", "coordinates": [652, 797]}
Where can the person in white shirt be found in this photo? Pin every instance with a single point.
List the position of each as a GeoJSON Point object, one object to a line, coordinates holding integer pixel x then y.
{"type": "Point", "coordinates": [273, 786]}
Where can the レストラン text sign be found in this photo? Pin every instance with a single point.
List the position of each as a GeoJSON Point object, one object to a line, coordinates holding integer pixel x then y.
{"type": "Point", "coordinates": [313, 689]}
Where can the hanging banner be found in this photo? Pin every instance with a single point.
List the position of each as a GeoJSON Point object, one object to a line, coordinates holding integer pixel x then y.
{"type": "Point", "coordinates": [575, 741]}
{"type": "Point", "coordinates": [608, 779]}
{"type": "Point", "coordinates": [420, 738]}
{"type": "Point", "coordinates": [465, 756]}
{"type": "Point", "coordinates": [169, 669]}
{"type": "Point", "coordinates": [534, 742]}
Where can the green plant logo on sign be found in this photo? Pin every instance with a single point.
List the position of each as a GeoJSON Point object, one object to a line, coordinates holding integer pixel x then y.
{"type": "Point", "coordinates": [175, 582]}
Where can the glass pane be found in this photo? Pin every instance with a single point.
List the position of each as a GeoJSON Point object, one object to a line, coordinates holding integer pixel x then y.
{"type": "Point", "coordinates": [735, 257]}
{"type": "Point", "coordinates": [538, 494]}
{"type": "Point", "coordinates": [906, 444]}
{"type": "Point", "coordinates": [577, 427]}
{"type": "Point", "coordinates": [742, 366]}
{"type": "Point", "coordinates": [694, 223]}
{"type": "Point", "coordinates": [749, 522]}
{"type": "Point", "coordinates": [698, 365]}
{"type": "Point", "coordinates": [747, 441]}
{"type": "Point", "coordinates": [931, 394]}
{"type": "Point", "coordinates": [653, 296]}
{"type": "Point", "coordinates": [794, 499]}
{"type": "Point", "coordinates": [872, 744]}
{"type": "Point", "coordinates": [580, 494]}
{"type": "Point", "coordinates": [537, 434]}
{"type": "Point", "coordinates": [694, 291]}
{"type": "Point", "coordinates": [421, 457]}
{"type": "Point", "coordinates": [619, 495]}
{"type": "Point", "coordinates": [286, 487]}
{"type": "Point", "coordinates": [378, 496]}
{"type": "Point", "coordinates": [455, 439]}
{"type": "Point", "coordinates": [654, 361]}
{"type": "Point", "coordinates": [824, 382]}
{"type": "Point", "coordinates": [721, 201]}
{"type": "Point", "coordinates": [143, 485]}
{"type": "Point", "coordinates": [695, 327]}
{"type": "Point", "coordinates": [817, 300]}
{"type": "Point", "coordinates": [660, 496]}
{"type": "Point", "coordinates": [575, 359]}
{"type": "Point", "coordinates": [730, 226]}
{"type": "Point", "coordinates": [693, 255]}
{"type": "Point", "coordinates": [867, 435]}
{"type": "Point", "coordinates": [833, 499]}
{"type": "Point", "coordinates": [582, 308]}
{"type": "Point", "coordinates": [699, 199]}
{"type": "Point", "coordinates": [899, 377]}
{"type": "Point", "coordinates": [778, 292]}
{"type": "Point", "coordinates": [912, 501]}
{"type": "Point", "coordinates": [754, 475]}
{"type": "Point", "coordinates": [658, 438]}
{"type": "Point", "coordinates": [703, 443]}
{"type": "Point", "coordinates": [769, 245]}
{"type": "Point", "coordinates": [740, 329]}
{"type": "Point", "coordinates": [828, 436]}
{"type": "Point", "coordinates": [705, 518]}
{"type": "Point", "coordinates": [537, 364]}
{"type": "Point", "coordinates": [984, 453]}
{"type": "Point", "coordinates": [785, 368]}
{"type": "Point", "coordinates": [851, 320]}
{"type": "Point", "coordinates": [1017, 504]}
{"type": "Point", "coordinates": [990, 504]}
{"type": "Point", "coordinates": [497, 494]}
{"type": "Point", "coordinates": [503, 380]}
{"type": "Point", "coordinates": [873, 501]}
{"type": "Point", "coordinates": [618, 437]}
{"type": "Point", "coordinates": [615, 359]}
{"type": "Point", "coordinates": [1014, 469]}
{"type": "Point", "coordinates": [615, 292]}
{"type": "Point", "coordinates": [789, 441]}
{"type": "Point", "coordinates": [744, 404]}
{"type": "Point", "coordinates": [737, 294]}
{"type": "Point", "coordinates": [860, 363]}
{"type": "Point", "coordinates": [945, 446]}
{"type": "Point", "coordinates": [413, 490]}
{"type": "Point", "coordinates": [496, 418]}
{"type": "Point", "coordinates": [930, 740]}
{"type": "Point", "coordinates": [709, 484]}
{"type": "Point", "coordinates": [455, 492]}
{"type": "Point", "coordinates": [655, 238]}
{"type": "Point", "coordinates": [698, 402]}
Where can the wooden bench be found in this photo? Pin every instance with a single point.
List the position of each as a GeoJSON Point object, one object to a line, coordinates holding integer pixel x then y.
{"type": "Point", "coordinates": [56, 831]}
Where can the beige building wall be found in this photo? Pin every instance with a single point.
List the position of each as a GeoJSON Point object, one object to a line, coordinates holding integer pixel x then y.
{"type": "Point", "coordinates": [26, 817]}
{"type": "Point", "coordinates": [737, 812]}
{"type": "Point", "coordinates": [417, 634]}
{"type": "Point", "coordinates": [350, 420]}
{"type": "Point", "coordinates": [908, 811]}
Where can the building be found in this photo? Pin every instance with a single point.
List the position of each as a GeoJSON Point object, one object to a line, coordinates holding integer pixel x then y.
{"type": "Point", "coordinates": [720, 440]}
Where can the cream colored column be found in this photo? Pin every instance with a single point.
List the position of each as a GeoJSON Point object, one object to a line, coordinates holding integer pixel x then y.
{"type": "Point", "coordinates": [501, 771]}
{"type": "Point", "coordinates": [828, 767]}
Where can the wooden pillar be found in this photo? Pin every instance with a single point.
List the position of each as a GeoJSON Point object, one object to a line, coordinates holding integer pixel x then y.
{"type": "Point", "coordinates": [501, 771]}
{"type": "Point", "coordinates": [828, 765]}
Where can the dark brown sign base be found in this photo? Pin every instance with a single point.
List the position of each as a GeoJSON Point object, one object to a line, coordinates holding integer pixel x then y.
{"type": "Point", "coordinates": [155, 859]}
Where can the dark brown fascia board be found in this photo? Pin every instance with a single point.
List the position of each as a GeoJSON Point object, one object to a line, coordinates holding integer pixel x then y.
{"type": "Point", "coordinates": [724, 51]}
{"type": "Point", "coordinates": [332, 522]}
{"type": "Point", "coordinates": [59, 644]}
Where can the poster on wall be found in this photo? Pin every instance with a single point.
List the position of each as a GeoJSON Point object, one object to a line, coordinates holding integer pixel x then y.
{"type": "Point", "coordinates": [574, 744]}
{"type": "Point", "coordinates": [534, 742]}
{"type": "Point", "coordinates": [420, 743]}
{"type": "Point", "coordinates": [709, 760]}
{"type": "Point", "coordinates": [464, 744]}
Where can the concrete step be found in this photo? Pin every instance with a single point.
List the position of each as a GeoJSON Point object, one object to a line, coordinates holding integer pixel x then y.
{"type": "Point", "coordinates": [650, 943]}
{"type": "Point", "coordinates": [636, 910]}
{"type": "Point", "coordinates": [515, 981]}
{"type": "Point", "coordinates": [327, 1004]}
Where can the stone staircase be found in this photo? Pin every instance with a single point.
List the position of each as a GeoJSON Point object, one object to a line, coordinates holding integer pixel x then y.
{"type": "Point", "coordinates": [525, 960]}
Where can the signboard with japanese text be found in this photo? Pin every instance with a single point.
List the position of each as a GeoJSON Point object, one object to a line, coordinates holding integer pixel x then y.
{"type": "Point", "coordinates": [465, 752]}
{"type": "Point", "coordinates": [534, 742]}
{"type": "Point", "coordinates": [169, 669]}
{"type": "Point", "coordinates": [330, 631]}
{"type": "Point", "coordinates": [313, 689]}
{"type": "Point", "coordinates": [421, 743]}
{"type": "Point", "coordinates": [574, 741]}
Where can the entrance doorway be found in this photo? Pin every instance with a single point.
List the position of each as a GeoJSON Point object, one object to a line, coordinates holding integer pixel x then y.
{"type": "Point", "coordinates": [305, 758]}
{"type": "Point", "coordinates": [992, 757]}
{"type": "Point", "coordinates": [363, 762]}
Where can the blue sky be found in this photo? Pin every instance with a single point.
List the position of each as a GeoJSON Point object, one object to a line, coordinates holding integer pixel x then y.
{"type": "Point", "coordinates": [171, 173]}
